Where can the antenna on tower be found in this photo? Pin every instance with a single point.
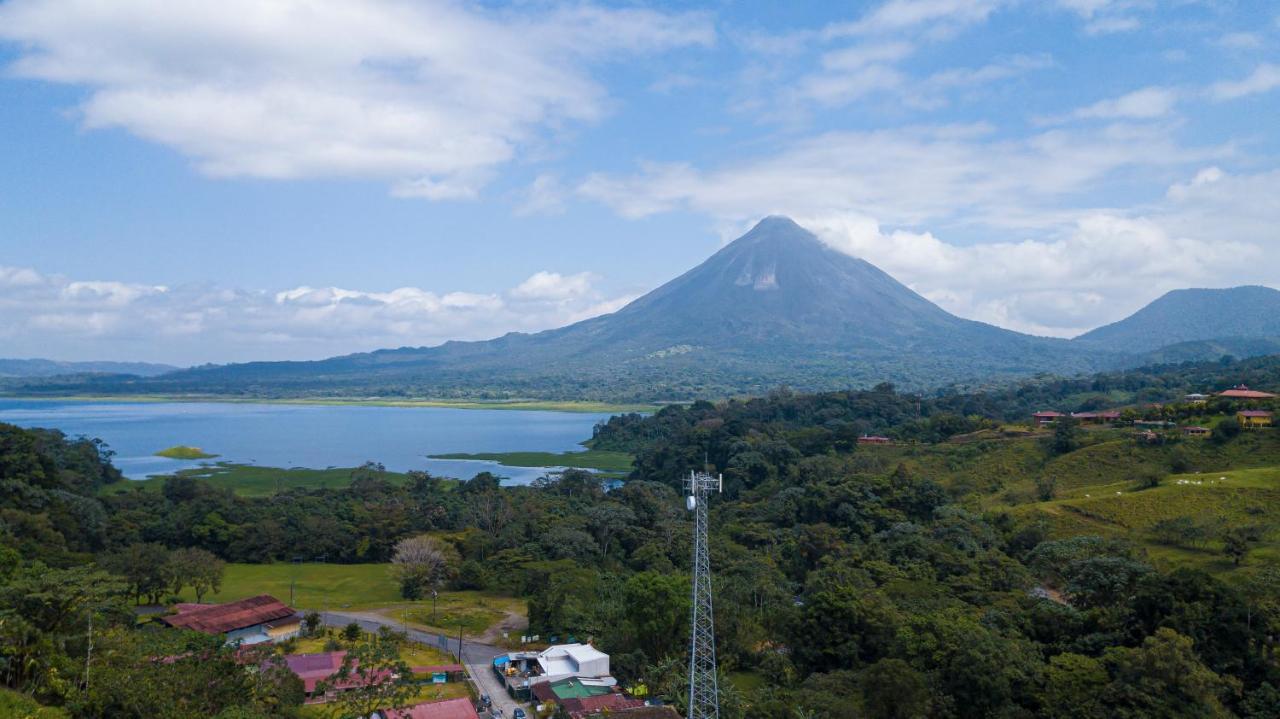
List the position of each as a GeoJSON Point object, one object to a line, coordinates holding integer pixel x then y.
{"type": "Point", "coordinates": [704, 690]}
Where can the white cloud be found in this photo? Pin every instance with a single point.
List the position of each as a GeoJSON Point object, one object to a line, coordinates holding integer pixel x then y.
{"type": "Point", "coordinates": [429, 96]}
{"type": "Point", "coordinates": [554, 286]}
{"type": "Point", "coordinates": [1265, 78]}
{"type": "Point", "coordinates": [544, 196]}
{"type": "Point", "coordinates": [937, 16]}
{"type": "Point", "coordinates": [50, 315]}
{"type": "Point", "coordinates": [907, 176]}
{"type": "Point", "coordinates": [1102, 268]}
{"type": "Point", "coordinates": [1104, 17]}
{"type": "Point", "coordinates": [1145, 104]}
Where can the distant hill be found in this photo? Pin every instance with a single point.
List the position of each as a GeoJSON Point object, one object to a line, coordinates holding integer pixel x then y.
{"type": "Point", "coordinates": [51, 368]}
{"type": "Point", "coordinates": [1195, 315]}
{"type": "Point", "coordinates": [774, 307]}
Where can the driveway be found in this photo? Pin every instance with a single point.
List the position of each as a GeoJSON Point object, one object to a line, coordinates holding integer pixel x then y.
{"type": "Point", "coordinates": [476, 657]}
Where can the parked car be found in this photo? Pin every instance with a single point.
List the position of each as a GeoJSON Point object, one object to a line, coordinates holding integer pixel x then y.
{"type": "Point", "coordinates": [518, 713]}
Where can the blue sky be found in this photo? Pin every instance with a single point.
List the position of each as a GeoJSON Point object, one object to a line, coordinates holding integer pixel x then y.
{"type": "Point", "coordinates": [191, 182]}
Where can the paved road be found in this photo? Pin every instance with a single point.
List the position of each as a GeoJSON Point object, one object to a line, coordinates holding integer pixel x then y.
{"type": "Point", "coordinates": [477, 657]}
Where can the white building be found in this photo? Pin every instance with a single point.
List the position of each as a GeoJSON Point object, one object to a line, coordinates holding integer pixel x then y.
{"type": "Point", "coordinates": [573, 660]}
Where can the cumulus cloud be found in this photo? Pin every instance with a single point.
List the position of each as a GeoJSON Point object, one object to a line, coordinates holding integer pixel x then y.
{"type": "Point", "coordinates": [906, 176]}
{"type": "Point", "coordinates": [1145, 104]}
{"type": "Point", "coordinates": [1265, 78]}
{"type": "Point", "coordinates": [50, 315]}
{"type": "Point", "coordinates": [1100, 269]}
{"type": "Point", "coordinates": [430, 96]}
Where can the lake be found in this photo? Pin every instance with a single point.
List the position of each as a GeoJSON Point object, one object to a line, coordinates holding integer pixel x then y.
{"type": "Point", "coordinates": [313, 436]}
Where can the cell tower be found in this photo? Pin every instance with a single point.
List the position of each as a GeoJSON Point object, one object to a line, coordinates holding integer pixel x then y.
{"type": "Point", "coordinates": [704, 692]}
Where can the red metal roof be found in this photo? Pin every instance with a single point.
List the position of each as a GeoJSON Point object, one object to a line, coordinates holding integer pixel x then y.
{"type": "Point", "coordinates": [447, 709]}
{"type": "Point", "coordinates": [1047, 413]}
{"type": "Point", "coordinates": [222, 618]}
{"type": "Point", "coordinates": [1254, 413]}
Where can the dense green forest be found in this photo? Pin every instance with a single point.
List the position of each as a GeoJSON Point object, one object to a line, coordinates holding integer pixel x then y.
{"type": "Point", "coordinates": [942, 576]}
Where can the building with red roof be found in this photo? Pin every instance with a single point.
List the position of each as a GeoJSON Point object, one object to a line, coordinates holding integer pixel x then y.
{"type": "Point", "coordinates": [249, 621]}
{"type": "Point", "coordinates": [1254, 418]}
{"type": "Point", "coordinates": [1242, 392]}
{"type": "Point", "coordinates": [445, 709]}
{"type": "Point", "coordinates": [1046, 417]}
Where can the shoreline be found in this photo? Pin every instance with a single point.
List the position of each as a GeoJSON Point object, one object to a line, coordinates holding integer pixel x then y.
{"type": "Point", "coordinates": [515, 405]}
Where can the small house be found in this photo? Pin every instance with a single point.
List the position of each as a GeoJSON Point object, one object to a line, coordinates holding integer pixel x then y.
{"type": "Point", "coordinates": [255, 620]}
{"type": "Point", "coordinates": [460, 708]}
{"type": "Point", "coordinates": [1242, 392]}
{"type": "Point", "coordinates": [1046, 417]}
{"type": "Point", "coordinates": [522, 671]}
{"type": "Point", "coordinates": [1251, 418]}
{"type": "Point", "coordinates": [1195, 398]}
{"type": "Point", "coordinates": [873, 439]}
{"type": "Point", "coordinates": [1196, 431]}
{"type": "Point", "coordinates": [315, 669]}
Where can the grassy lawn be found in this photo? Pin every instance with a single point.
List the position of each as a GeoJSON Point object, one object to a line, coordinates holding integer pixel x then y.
{"type": "Point", "coordinates": [316, 586]}
{"type": "Point", "coordinates": [21, 706]}
{"type": "Point", "coordinates": [473, 611]}
{"type": "Point", "coordinates": [587, 459]}
{"type": "Point", "coordinates": [363, 587]}
{"type": "Point", "coordinates": [253, 481]}
{"type": "Point", "coordinates": [413, 654]}
{"type": "Point", "coordinates": [1232, 498]}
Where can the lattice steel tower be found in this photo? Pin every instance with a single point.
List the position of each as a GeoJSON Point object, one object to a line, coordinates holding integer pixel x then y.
{"type": "Point", "coordinates": [704, 692]}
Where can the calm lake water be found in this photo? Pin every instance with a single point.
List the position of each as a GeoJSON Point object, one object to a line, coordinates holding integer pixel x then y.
{"type": "Point", "coordinates": [279, 435]}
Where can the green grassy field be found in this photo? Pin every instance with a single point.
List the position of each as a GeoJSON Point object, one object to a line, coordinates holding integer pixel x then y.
{"type": "Point", "coordinates": [1245, 497]}
{"type": "Point", "coordinates": [21, 706]}
{"type": "Point", "coordinates": [183, 451]}
{"type": "Point", "coordinates": [253, 481]}
{"type": "Point", "coordinates": [475, 612]}
{"type": "Point", "coordinates": [587, 459]}
{"type": "Point", "coordinates": [361, 587]}
{"type": "Point", "coordinates": [316, 586]}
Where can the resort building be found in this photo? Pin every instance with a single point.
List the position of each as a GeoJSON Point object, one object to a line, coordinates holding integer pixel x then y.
{"type": "Point", "coordinates": [1046, 417]}
{"type": "Point", "coordinates": [1252, 418]}
{"type": "Point", "coordinates": [873, 439]}
{"type": "Point", "coordinates": [1196, 431]}
{"type": "Point", "coordinates": [255, 620]}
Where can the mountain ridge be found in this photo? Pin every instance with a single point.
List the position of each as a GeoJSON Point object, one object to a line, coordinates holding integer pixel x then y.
{"type": "Point", "coordinates": [774, 307]}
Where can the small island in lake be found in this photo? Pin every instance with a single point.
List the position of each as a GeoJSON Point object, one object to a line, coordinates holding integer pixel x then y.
{"type": "Point", "coordinates": [182, 451]}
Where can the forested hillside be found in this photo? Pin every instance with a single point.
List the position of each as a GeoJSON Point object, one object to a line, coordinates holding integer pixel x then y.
{"type": "Point", "coordinates": [973, 568]}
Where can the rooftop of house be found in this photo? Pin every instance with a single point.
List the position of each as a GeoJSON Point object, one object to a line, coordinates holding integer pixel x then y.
{"type": "Point", "coordinates": [1254, 413]}
{"type": "Point", "coordinates": [1047, 413]}
{"type": "Point", "coordinates": [573, 659]}
{"type": "Point", "coordinates": [571, 688]}
{"type": "Point", "coordinates": [223, 618]}
{"type": "Point", "coordinates": [446, 709]}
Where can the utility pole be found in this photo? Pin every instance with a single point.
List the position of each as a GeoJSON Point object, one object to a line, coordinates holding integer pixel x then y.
{"type": "Point", "coordinates": [704, 689]}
